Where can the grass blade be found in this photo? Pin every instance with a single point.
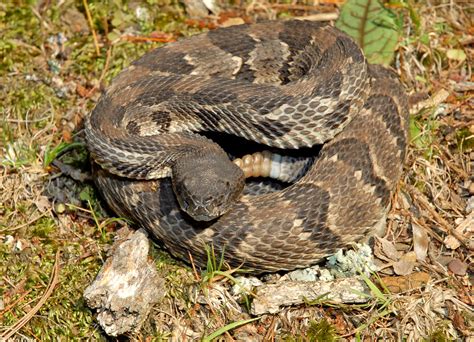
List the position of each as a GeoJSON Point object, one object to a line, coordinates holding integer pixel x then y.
{"type": "Point", "coordinates": [226, 328]}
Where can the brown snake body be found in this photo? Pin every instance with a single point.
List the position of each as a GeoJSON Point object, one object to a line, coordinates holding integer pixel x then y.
{"type": "Point", "coordinates": [287, 85]}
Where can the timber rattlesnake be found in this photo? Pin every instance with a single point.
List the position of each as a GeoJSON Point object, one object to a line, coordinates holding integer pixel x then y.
{"type": "Point", "coordinates": [287, 85]}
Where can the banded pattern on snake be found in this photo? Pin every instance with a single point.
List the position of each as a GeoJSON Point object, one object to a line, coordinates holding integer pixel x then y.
{"type": "Point", "coordinates": [287, 85]}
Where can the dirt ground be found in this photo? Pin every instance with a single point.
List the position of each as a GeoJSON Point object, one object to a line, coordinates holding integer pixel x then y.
{"type": "Point", "coordinates": [55, 231]}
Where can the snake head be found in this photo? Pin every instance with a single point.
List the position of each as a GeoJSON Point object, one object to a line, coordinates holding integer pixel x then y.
{"type": "Point", "coordinates": [206, 186]}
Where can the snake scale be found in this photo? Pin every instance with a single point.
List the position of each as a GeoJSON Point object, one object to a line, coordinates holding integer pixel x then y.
{"type": "Point", "coordinates": [288, 85]}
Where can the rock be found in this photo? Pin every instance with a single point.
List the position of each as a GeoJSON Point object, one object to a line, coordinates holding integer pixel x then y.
{"type": "Point", "coordinates": [352, 262]}
{"type": "Point", "coordinates": [244, 285]}
{"type": "Point", "coordinates": [126, 287]}
{"type": "Point", "coordinates": [306, 274]}
{"type": "Point", "coordinates": [271, 297]}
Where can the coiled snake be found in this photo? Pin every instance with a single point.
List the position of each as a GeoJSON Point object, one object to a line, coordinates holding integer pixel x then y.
{"type": "Point", "coordinates": [288, 85]}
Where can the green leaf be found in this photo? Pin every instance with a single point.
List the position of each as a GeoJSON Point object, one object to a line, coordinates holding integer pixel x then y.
{"type": "Point", "coordinates": [85, 195]}
{"type": "Point", "coordinates": [373, 27]}
{"type": "Point", "coordinates": [228, 327]}
{"type": "Point", "coordinates": [456, 54]}
{"type": "Point", "coordinates": [425, 39]}
{"type": "Point", "coordinates": [114, 35]}
{"type": "Point", "coordinates": [51, 154]}
{"type": "Point", "coordinates": [374, 289]}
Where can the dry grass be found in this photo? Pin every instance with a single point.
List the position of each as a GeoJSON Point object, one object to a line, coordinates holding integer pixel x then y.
{"type": "Point", "coordinates": [48, 84]}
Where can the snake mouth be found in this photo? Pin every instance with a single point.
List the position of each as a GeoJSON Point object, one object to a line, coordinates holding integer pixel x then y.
{"type": "Point", "coordinates": [205, 210]}
{"type": "Point", "coordinates": [202, 213]}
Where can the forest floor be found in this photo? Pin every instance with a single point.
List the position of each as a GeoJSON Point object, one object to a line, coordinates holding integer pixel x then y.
{"type": "Point", "coordinates": [55, 230]}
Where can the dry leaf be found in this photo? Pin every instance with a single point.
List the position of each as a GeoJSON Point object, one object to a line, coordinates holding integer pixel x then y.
{"type": "Point", "coordinates": [457, 267]}
{"type": "Point", "coordinates": [388, 248]}
{"type": "Point", "coordinates": [420, 241]}
{"type": "Point", "coordinates": [82, 91]}
{"type": "Point", "coordinates": [43, 204]}
{"type": "Point", "coordinates": [456, 54]}
{"type": "Point", "coordinates": [451, 242]}
{"type": "Point", "coordinates": [466, 226]}
{"type": "Point", "coordinates": [67, 135]}
{"type": "Point", "coordinates": [200, 8]}
{"type": "Point", "coordinates": [405, 283]}
{"type": "Point", "coordinates": [406, 264]}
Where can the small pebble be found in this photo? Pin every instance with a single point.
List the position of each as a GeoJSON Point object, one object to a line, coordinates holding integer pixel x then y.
{"type": "Point", "coordinates": [325, 275]}
{"type": "Point", "coordinates": [18, 246]}
{"type": "Point", "coordinates": [142, 13]}
{"type": "Point", "coordinates": [245, 285]}
{"type": "Point", "coordinates": [307, 274]}
{"type": "Point", "coordinates": [457, 267]}
{"type": "Point", "coordinates": [33, 78]}
{"type": "Point", "coordinates": [8, 240]}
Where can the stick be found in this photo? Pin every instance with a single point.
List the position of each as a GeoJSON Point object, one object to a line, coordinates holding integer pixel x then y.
{"type": "Point", "coordinates": [26, 318]}
{"type": "Point", "coordinates": [91, 25]}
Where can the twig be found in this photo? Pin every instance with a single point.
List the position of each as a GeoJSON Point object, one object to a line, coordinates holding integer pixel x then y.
{"type": "Point", "coordinates": [27, 223]}
{"type": "Point", "coordinates": [19, 299]}
{"type": "Point", "coordinates": [91, 25]}
{"type": "Point", "coordinates": [26, 121]}
{"type": "Point", "coordinates": [106, 66]}
{"type": "Point", "coordinates": [442, 224]}
{"type": "Point", "coordinates": [191, 259]}
{"type": "Point", "coordinates": [38, 15]}
{"type": "Point", "coordinates": [270, 334]}
{"type": "Point", "coordinates": [319, 17]}
{"type": "Point", "coordinates": [139, 39]}
{"type": "Point", "coordinates": [21, 43]}
{"type": "Point", "coordinates": [295, 7]}
{"type": "Point", "coordinates": [26, 318]}
{"type": "Point", "coordinates": [298, 7]}
{"type": "Point", "coordinates": [467, 41]}
{"type": "Point", "coordinates": [102, 75]}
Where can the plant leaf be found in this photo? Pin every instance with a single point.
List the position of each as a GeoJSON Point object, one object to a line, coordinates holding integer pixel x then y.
{"type": "Point", "coordinates": [228, 327]}
{"type": "Point", "coordinates": [456, 54]}
{"type": "Point", "coordinates": [372, 26]}
{"type": "Point", "coordinates": [52, 153]}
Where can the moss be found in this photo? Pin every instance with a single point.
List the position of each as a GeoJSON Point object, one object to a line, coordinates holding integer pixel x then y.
{"type": "Point", "coordinates": [465, 140]}
{"type": "Point", "coordinates": [19, 24]}
{"type": "Point", "coordinates": [321, 330]}
{"type": "Point", "coordinates": [438, 336]}
{"type": "Point", "coordinates": [44, 227]}
{"type": "Point", "coordinates": [29, 133]}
